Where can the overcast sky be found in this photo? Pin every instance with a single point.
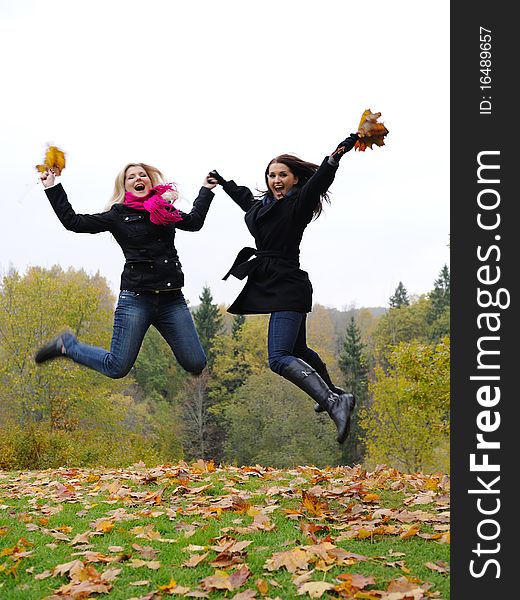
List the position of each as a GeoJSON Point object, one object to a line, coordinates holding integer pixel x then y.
{"type": "Point", "coordinates": [227, 85]}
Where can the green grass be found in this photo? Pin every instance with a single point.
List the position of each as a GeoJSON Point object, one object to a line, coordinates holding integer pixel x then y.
{"type": "Point", "coordinates": [197, 505]}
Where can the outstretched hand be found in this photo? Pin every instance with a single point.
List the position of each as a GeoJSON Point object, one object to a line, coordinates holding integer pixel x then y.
{"type": "Point", "coordinates": [48, 178]}
{"type": "Point", "coordinates": [212, 179]}
{"type": "Point", "coordinates": [345, 146]}
{"type": "Point", "coordinates": [217, 177]}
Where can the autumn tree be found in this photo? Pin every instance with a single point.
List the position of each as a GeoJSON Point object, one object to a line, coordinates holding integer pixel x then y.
{"type": "Point", "coordinates": [34, 308]}
{"type": "Point", "coordinates": [407, 422]}
{"type": "Point", "coordinates": [397, 325]}
{"type": "Point", "coordinates": [62, 411]}
{"type": "Point", "coordinates": [399, 297]}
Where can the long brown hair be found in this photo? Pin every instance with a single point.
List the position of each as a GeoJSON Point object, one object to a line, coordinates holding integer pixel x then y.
{"type": "Point", "coordinates": [303, 170]}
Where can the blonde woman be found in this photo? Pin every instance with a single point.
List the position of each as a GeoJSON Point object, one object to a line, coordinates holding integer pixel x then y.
{"type": "Point", "coordinates": [143, 221]}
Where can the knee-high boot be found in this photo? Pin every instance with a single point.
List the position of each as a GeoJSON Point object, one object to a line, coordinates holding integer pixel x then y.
{"type": "Point", "coordinates": [322, 371]}
{"type": "Point", "coordinates": [338, 406]}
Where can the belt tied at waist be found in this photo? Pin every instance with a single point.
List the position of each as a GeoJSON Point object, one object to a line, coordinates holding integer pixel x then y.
{"type": "Point", "coordinates": [242, 267]}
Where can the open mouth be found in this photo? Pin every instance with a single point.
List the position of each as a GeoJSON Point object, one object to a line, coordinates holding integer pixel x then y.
{"type": "Point", "coordinates": [139, 187]}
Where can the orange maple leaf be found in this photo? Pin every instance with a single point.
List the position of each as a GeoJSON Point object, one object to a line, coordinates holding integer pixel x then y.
{"type": "Point", "coordinates": [54, 160]}
{"type": "Point", "coordinates": [370, 132]}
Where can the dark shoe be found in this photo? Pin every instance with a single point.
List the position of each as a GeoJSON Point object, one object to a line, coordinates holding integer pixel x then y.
{"type": "Point", "coordinates": [340, 410]}
{"type": "Point", "coordinates": [51, 350]}
{"type": "Point", "coordinates": [336, 390]}
{"type": "Point", "coordinates": [337, 406]}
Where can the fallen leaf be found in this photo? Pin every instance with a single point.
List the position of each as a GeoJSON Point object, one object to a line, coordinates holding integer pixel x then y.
{"type": "Point", "coordinates": [315, 589]}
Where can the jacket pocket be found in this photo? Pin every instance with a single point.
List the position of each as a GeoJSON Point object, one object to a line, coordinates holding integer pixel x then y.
{"type": "Point", "coordinates": [138, 272]}
{"type": "Point", "coordinates": [134, 225]}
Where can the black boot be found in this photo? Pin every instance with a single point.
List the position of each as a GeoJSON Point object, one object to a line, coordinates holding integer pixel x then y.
{"type": "Point", "coordinates": [338, 406]}
{"type": "Point", "coordinates": [321, 369]}
{"type": "Point", "coordinates": [53, 349]}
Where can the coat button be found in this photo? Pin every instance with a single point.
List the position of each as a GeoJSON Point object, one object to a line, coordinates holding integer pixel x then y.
{"type": "Point", "coordinates": [168, 284]}
{"type": "Point", "coordinates": [165, 260]}
{"type": "Point", "coordinates": [126, 218]}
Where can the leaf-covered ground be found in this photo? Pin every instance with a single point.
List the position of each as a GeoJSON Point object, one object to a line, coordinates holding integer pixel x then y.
{"type": "Point", "coordinates": [197, 531]}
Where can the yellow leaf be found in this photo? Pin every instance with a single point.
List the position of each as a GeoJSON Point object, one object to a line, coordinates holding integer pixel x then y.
{"type": "Point", "coordinates": [410, 532]}
{"type": "Point", "coordinates": [54, 160]}
{"type": "Point", "coordinates": [370, 132]}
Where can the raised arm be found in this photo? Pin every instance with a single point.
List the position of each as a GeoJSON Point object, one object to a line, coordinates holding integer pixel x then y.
{"type": "Point", "coordinates": [320, 182]}
{"type": "Point", "coordinates": [70, 220]}
{"type": "Point", "coordinates": [238, 193]}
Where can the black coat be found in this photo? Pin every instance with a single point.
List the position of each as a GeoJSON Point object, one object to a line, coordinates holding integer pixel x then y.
{"type": "Point", "coordinates": [274, 278]}
{"type": "Point", "coordinates": [152, 262]}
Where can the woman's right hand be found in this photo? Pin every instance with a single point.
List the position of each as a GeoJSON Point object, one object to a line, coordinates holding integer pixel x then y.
{"type": "Point", "coordinates": [216, 176]}
{"type": "Point", "coordinates": [47, 178]}
{"type": "Point", "coordinates": [209, 181]}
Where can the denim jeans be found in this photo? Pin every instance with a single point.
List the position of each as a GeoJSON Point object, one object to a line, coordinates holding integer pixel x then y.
{"type": "Point", "coordinates": [287, 339]}
{"type": "Point", "coordinates": [134, 314]}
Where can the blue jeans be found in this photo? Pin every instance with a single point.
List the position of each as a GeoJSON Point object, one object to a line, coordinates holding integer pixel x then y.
{"type": "Point", "coordinates": [134, 314]}
{"type": "Point", "coordinates": [287, 339]}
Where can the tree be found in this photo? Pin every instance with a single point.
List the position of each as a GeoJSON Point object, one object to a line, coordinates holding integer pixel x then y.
{"type": "Point", "coordinates": [354, 366]}
{"type": "Point", "coordinates": [238, 322]}
{"type": "Point", "coordinates": [400, 297]}
{"type": "Point", "coordinates": [397, 325]}
{"type": "Point", "coordinates": [156, 369]}
{"type": "Point", "coordinates": [208, 321]}
{"type": "Point", "coordinates": [271, 422]}
{"type": "Point", "coordinates": [407, 422]}
{"type": "Point", "coordinates": [62, 412]}
{"type": "Point", "coordinates": [203, 434]}
{"type": "Point", "coordinates": [34, 308]}
{"type": "Point", "coordinates": [438, 316]}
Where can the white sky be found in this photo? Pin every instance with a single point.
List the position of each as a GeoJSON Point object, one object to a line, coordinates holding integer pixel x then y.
{"type": "Point", "coordinates": [227, 85]}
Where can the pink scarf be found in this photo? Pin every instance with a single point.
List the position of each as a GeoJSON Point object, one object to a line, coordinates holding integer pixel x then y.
{"type": "Point", "coordinates": [161, 211]}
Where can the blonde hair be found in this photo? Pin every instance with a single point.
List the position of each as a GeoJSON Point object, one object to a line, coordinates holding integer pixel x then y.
{"type": "Point", "coordinates": [118, 196]}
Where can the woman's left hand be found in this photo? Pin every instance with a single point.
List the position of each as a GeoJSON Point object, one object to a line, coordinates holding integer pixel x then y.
{"type": "Point", "coordinates": [209, 182]}
{"type": "Point", "coordinates": [345, 146]}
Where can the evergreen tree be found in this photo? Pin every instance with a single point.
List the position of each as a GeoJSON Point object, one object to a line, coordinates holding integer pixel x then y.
{"type": "Point", "coordinates": [400, 297]}
{"type": "Point", "coordinates": [203, 434]}
{"type": "Point", "coordinates": [438, 316]}
{"type": "Point", "coordinates": [440, 295]}
{"type": "Point", "coordinates": [238, 322]}
{"type": "Point", "coordinates": [208, 322]}
{"type": "Point", "coordinates": [353, 364]}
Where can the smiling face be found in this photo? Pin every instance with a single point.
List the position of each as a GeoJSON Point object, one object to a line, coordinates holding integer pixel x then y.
{"type": "Point", "coordinates": [137, 181]}
{"type": "Point", "coordinates": [280, 180]}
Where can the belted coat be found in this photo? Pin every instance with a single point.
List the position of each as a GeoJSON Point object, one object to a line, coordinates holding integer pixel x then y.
{"type": "Point", "coordinates": [152, 262]}
{"type": "Point", "coordinates": [275, 281]}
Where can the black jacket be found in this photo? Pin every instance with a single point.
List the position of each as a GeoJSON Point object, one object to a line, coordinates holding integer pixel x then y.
{"type": "Point", "coordinates": [152, 262]}
{"type": "Point", "coordinates": [275, 281]}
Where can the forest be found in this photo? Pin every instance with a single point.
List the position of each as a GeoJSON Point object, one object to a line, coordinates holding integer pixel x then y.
{"type": "Point", "coordinates": [395, 359]}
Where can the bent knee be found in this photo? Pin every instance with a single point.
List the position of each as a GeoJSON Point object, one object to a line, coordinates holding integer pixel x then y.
{"type": "Point", "coordinates": [276, 364]}
{"type": "Point", "coordinates": [118, 374]}
{"type": "Point", "coordinates": [195, 368]}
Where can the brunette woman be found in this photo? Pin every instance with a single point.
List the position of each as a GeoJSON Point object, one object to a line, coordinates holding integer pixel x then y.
{"type": "Point", "coordinates": [275, 283]}
{"type": "Point", "coordinates": [143, 221]}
